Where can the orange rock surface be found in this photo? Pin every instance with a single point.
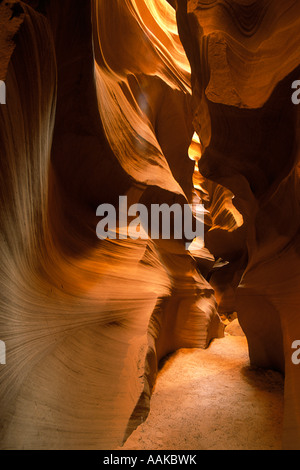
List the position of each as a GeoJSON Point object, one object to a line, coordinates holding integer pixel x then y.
{"type": "Point", "coordinates": [163, 102]}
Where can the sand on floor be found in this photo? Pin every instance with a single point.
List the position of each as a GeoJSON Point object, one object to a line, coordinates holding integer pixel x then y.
{"type": "Point", "coordinates": [213, 400]}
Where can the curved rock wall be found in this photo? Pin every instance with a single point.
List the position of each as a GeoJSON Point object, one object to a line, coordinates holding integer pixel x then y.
{"type": "Point", "coordinates": [245, 58]}
{"type": "Point", "coordinates": [85, 321]}
{"type": "Point", "coordinates": [103, 100]}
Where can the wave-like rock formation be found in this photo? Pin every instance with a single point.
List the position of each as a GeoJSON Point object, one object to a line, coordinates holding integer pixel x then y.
{"type": "Point", "coordinates": [244, 57]}
{"type": "Point", "coordinates": [87, 120]}
{"type": "Point", "coordinates": [103, 100]}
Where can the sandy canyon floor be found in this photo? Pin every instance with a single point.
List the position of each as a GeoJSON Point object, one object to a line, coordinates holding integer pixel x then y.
{"type": "Point", "coordinates": [213, 400]}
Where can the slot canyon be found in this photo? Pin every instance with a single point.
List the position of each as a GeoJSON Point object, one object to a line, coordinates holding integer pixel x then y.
{"type": "Point", "coordinates": [156, 342]}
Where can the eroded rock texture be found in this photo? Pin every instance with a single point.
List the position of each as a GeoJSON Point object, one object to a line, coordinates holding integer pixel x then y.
{"type": "Point", "coordinates": [103, 100]}
{"type": "Point", "coordinates": [244, 57]}
{"type": "Point", "coordinates": [89, 119]}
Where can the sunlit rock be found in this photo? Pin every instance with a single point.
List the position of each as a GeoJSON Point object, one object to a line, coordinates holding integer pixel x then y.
{"type": "Point", "coordinates": [245, 57]}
